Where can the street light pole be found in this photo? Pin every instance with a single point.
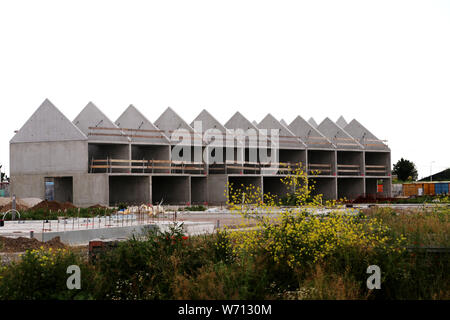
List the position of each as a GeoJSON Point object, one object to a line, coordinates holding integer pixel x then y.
{"type": "Point", "coordinates": [431, 170]}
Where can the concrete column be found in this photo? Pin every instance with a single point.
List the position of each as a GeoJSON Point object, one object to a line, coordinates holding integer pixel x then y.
{"type": "Point", "coordinates": [150, 181]}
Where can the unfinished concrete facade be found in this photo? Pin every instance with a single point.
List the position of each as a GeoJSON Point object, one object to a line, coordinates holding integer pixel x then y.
{"type": "Point", "coordinates": [94, 160]}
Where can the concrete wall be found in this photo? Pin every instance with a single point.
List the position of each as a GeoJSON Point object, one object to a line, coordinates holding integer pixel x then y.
{"type": "Point", "coordinates": [62, 157]}
{"type": "Point", "coordinates": [91, 189]}
{"type": "Point", "coordinates": [387, 187]}
{"type": "Point", "coordinates": [132, 190]}
{"type": "Point", "coordinates": [28, 185]}
{"type": "Point", "coordinates": [217, 189]}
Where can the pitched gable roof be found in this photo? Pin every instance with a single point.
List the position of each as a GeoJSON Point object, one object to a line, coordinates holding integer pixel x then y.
{"type": "Point", "coordinates": [238, 121]}
{"type": "Point", "coordinates": [310, 135]}
{"type": "Point", "coordinates": [139, 129]}
{"type": "Point", "coordinates": [97, 126]}
{"type": "Point", "coordinates": [210, 125]}
{"type": "Point", "coordinates": [169, 121]}
{"type": "Point", "coordinates": [341, 122]}
{"type": "Point", "coordinates": [313, 122]}
{"type": "Point", "coordinates": [340, 138]}
{"type": "Point", "coordinates": [208, 122]}
{"type": "Point", "coordinates": [287, 139]}
{"type": "Point", "coordinates": [48, 124]}
{"type": "Point", "coordinates": [364, 136]}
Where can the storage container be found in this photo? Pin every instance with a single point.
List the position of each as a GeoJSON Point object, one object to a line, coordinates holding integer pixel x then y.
{"type": "Point", "coordinates": [429, 189]}
{"type": "Point", "coordinates": [441, 188]}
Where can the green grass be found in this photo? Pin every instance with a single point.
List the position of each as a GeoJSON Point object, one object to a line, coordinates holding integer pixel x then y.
{"type": "Point", "coordinates": [44, 214]}
{"type": "Point", "coordinates": [195, 208]}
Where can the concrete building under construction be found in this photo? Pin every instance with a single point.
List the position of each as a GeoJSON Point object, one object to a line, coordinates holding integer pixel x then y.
{"type": "Point", "coordinates": [93, 160]}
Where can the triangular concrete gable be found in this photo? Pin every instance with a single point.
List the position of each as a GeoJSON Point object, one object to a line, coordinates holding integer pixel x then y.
{"type": "Point", "coordinates": [284, 123]}
{"type": "Point", "coordinates": [287, 138]}
{"type": "Point", "coordinates": [313, 122]}
{"type": "Point", "coordinates": [364, 136]}
{"type": "Point", "coordinates": [341, 122]}
{"type": "Point", "coordinates": [310, 135]}
{"type": "Point", "coordinates": [209, 122]}
{"type": "Point", "coordinates": [48, 124]}
{"type": "Point", "coordinates": [238, 121]}
{"type": "Point", "coordinates": [97, 126]}
{"type": "Point", "coordinates": [338, 136]}
{"type": "Point", "coordinates": [169, 121]}
{"type": "Point", "coordinates": [139, 129]}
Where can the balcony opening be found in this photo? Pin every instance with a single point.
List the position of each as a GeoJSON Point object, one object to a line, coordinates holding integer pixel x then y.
{"type": "Point", "coordinates": [350, 188]}
{"type": "Point", "coordinates": [350, 163]}
{"type": "Point", "coordinates": [129, 190]}
{"type": "Point", "coordinates": [173, 190]}
{"type": "Point", "coordinates": [377, 163]}
{"type": "Point", "coordinates": [321, 162]}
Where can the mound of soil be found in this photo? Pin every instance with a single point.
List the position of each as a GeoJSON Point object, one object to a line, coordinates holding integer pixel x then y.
{"type": "Point", "coordinates": [23, 244]}
{"type": "Point", "coordinates": [4, 201]}
{"type": "Point", "coordinates": [53, 205]}
{"type": "Point", "coordinates": [7, 207]}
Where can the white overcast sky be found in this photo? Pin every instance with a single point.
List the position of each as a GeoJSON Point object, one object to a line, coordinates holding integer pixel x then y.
{"type": "Point", "coordinates": [385, 63]}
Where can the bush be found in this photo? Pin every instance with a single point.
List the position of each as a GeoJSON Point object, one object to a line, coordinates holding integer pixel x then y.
{"type": "Point", "coordinates": [41, 275]}
{"type": "Point", "coordinates": [146, 268]}
{"type": "Point", "coordinates": [243, 281]}
{"type": "Point", "coordinates": [195, 208]}
{"type": "Point", "coordinates": [45, 214]}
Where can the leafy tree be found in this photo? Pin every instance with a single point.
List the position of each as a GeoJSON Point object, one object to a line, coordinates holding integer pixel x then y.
{"type": "Point", "coordinates": [3, 176]}
{"type": "Point", "coordinates": [405, 170]}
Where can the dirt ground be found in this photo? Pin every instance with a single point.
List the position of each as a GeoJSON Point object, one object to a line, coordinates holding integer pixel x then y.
{"type": "Point", "coordinates": [21, 202]}
{"type": "Point", "coordinates": [53, 205]}
{"type": "Point", "coordinates": [23, 244]}
{"type": "Point", "coordinates": [8, 207]}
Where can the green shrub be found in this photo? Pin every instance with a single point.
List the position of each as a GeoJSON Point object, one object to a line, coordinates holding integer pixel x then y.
{"type": "Point", "coordinates": [41, 275]}
{"type": "Point", "coordinates": [195, 208]}
{"type": "Point", "coordinates": [45, 214]}
{"type": "Point", "coordinates": [243, 281]}
{"type": "Point", "coordinates": [146, 268]}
